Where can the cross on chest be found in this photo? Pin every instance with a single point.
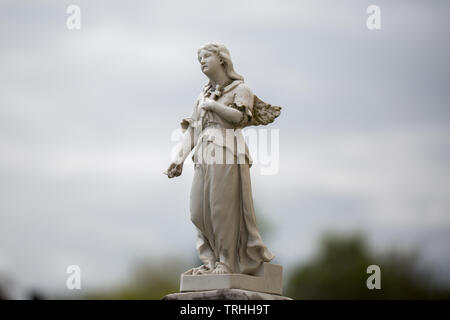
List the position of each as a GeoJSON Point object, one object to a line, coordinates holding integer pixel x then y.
{"type": "Point", "coordinates": [216, 93]}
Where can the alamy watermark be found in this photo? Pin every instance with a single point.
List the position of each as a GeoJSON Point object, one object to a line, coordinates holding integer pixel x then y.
{"type": "Point", "coordinates": [73, 281]}
{"type": "Point", "coordinates": [373, 21]}
{"type": "Point", "coordinates": [73, 21]}
{"type": "Point", "coordinates": [374, 280]}
{"type": "Point", "coordinates": [229, 146]}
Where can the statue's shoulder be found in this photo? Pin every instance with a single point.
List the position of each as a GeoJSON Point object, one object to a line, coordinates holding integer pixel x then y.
{"type": "Point", "coordinates": [243, 89]}
{"type": "Point", "coordinates": [243, 95]}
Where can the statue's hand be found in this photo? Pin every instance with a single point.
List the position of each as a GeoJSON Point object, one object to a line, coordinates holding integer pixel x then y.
{"type": "Point", "coordinates": [208, 104]}
{"type": "Point", "coordinates": [174, 170]}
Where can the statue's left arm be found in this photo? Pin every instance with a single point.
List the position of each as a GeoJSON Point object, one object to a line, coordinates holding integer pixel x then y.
{"type": "Point", "coordinates": [228, 113]}
{"type": "Point", "coordinates": [239, 113]}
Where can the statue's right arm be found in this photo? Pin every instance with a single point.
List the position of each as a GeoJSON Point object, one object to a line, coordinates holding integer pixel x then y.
{"type": "Point", "coordinates": [185, 147]}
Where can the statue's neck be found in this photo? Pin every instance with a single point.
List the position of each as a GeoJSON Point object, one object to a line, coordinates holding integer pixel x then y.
{"type": "Point", "coordinates": [220, 78]}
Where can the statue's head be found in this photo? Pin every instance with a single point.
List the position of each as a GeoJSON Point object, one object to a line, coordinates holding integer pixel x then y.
{"type": "Point", "coordinates": [215, 56]}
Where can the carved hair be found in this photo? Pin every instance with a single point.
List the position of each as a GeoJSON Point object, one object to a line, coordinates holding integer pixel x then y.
{"type": "Point", "coordinates": [222, 52]}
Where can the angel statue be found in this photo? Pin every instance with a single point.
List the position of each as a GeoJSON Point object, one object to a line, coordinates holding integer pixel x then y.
{"type": "Point", "coordinates": [221, 204]}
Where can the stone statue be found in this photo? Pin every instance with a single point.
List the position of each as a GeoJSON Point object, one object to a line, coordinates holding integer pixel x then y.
{"type": "Point", "coordinates": [221, 203]}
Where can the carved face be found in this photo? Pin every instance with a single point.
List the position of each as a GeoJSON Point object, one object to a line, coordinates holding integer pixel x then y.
{"type": "Point", "coordinates": [210, 63]}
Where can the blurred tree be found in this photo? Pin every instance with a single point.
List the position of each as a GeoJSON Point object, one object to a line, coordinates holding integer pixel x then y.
{"type": "Point", "coordinates": [5, 286]}
{"type": "Point", "coordinates": [150, 279]}
{"type": "Point", "coordinates": [3, 294]}
{"type": "Point", "coordinates": [338, 271]}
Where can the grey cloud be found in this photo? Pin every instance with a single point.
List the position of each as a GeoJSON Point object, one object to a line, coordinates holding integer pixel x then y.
{"type": "Point", "coordinates": [82, 113]}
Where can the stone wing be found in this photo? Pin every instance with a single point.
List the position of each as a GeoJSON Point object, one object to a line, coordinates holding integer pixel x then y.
{"type": "Point", "coordinates": [263, 113]}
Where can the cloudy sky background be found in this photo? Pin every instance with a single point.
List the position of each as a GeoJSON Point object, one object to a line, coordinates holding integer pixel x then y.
{"type": "Point", "coordinates": [86, 119]}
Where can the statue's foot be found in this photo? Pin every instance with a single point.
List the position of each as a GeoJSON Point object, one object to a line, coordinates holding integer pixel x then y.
{"type": "Point", "coordinates": [203, 269]}
{"type": "Point", "coordinates": [221, 268]}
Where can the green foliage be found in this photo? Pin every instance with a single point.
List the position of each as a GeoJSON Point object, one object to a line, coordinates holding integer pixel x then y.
{"type": "Point", "coordinates": [150, 280]}
{"type": "Point", "coordinates": [338, 271]}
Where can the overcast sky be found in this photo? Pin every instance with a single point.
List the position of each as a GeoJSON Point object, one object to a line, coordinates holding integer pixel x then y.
{"type": "Point", "coordinates": [86, 118]}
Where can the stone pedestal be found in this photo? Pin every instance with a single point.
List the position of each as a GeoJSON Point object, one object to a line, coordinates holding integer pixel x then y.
{"type": "Point", "coordinates": [224, 294]}
{"type": "Point", "coordinates": [269, 280]}
{"type": "Point", "coordinates": [267, 284]}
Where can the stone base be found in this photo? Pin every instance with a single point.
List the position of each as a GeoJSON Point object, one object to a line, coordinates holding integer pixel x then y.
{"type": "Point", "coordinates": [268, 281]}
{"type": "Point", "coordinates": [224, 294]}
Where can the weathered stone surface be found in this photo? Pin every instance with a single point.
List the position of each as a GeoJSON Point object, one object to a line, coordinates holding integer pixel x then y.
{"type": "Point", "coordinates": [269, 280]}
{"type": "Point", "coordinates": [228, 239]}
{"type": "Point", "coordinates": [224, 294]}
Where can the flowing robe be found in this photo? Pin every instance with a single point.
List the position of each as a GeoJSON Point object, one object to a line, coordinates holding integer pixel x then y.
{"type": "Point", "coordinates": [221, 202]}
